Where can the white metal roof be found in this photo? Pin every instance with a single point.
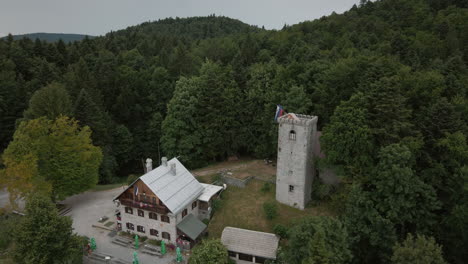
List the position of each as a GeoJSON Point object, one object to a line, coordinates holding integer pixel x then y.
{"type": "Point", "coordinates": [208, 191]}
{"type": "Point", "coordinates": [250, 242]}
{"type": "Point", "coordinates": [175, 191]}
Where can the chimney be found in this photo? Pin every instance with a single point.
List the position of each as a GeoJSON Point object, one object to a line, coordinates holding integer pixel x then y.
{"type": "Point", "coordinates": [149, 165]}
{"type": "Point", "coordinates": [164, 161]}
{"type": "Point", "coordinates": [173, 168]}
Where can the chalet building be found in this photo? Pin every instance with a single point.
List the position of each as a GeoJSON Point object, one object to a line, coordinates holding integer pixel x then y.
{"type": "Point", "coordinates": [166, 203]}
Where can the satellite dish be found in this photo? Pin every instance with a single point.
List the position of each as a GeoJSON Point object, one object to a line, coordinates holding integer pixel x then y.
{"type": "Point", "coordinates": [117, 203]}
{"type": "Point", "coordinates": [224, 186]}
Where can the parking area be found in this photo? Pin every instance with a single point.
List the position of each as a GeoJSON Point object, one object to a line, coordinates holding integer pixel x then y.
{"type": "Point", "coordinates": [86, 210]}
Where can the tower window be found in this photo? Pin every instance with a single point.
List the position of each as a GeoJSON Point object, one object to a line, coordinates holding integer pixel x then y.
{"type": "Point", "coordinates": [292, 135]}
{"type": "Point", "coordinates": [291, 188]}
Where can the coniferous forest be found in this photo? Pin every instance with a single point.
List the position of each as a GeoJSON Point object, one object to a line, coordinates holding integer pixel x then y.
{"type": "Point", "coordinates": [387, 79]}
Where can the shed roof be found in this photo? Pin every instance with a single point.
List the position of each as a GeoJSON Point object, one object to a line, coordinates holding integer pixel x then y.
{"type": "Point", "coordinates": [208, 191]}
{"type": "Point", "coordinates": [250, 242]}
{"type": "Point", "coordinates": [191, 226]}
{"type": "Point", "coordinates": [175, 191]}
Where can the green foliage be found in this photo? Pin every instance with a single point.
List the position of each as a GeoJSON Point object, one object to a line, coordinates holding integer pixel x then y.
{"type": "Point", "coordinates": [8, 226]}
{"type": "Point", "coordinates": [394, 202]}
{"type": "Point", "coordinates": [209, 252]}
{"type": "Point", "coordinates": [43, 236]}
{"type": "Point", "coordinates": [217, 204]}
{"type": "Point", "coordinates": [320, 191]}
{"type": "Point", "coordinates": [318, 240]}
{"type": "Point", "coordinates": [50, 101]}
{"type": "Point", "coordinates": [281, 230]}
{"type": "Point", "coordinates": [347, 139]}
{"type": "Point", "coordinates": [270, 209]}
{"type": "Point", "coordinates": [202, 117]}
{"type": "Point", "coordinates": [266, 187]}
{"type": "Point", "coordinates": [417, 250]}
{"type": "Point", "coordinates": [53, 156]}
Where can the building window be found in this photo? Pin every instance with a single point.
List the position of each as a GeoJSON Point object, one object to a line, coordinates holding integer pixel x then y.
{"type": "Point", "coordinates": [194, 205]}
{"type": "Point", "coordinates": [166, 235]}
{"type": "Point", "coordinates": [203, 206]}
{"type": "Point", "coordinates": [154, 232]}
{"type": "Point", "coordinates": [140, 229]}
{"type": "Point", "coordinates": [128, 210]}
{"type": "Point", "coordinates": [292, 135]}
{"type": "Point", "coordinates": [232, 254]}
{"type": "Point", "coordinates": [184, 213]}
{"type": "Point", "coordinates": [165, 218]}
{"type": "Point", "coordinates": [153, 216]}
{"type": "Point", "coordinates": [141, 213]}
{"type": "Point", "coordinates": [130, 226]}
{"type": "Point", "coordinates": [291, 188]}
{"type": "Point", "coordinates": [154, 200]}
{"type": "Point", "coordinates": [245, 257]}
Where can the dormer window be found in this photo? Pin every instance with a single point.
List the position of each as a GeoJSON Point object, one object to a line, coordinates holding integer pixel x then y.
{"type": "Point", "coordinates": [292, 135]}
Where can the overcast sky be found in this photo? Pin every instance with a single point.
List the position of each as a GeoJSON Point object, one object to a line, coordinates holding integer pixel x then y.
{"type": "Point", "coordinates": [97, 17]}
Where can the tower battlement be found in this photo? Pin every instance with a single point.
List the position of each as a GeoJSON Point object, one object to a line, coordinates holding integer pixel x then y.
{"type": "Point", "coordinates": [302, 120]}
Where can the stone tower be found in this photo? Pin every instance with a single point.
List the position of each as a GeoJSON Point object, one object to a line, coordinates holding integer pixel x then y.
{"type": "Point", "coordinates": [295, 166]}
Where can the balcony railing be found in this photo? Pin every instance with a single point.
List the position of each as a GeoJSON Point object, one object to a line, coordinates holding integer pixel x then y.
{"type": "Point", "coordinates": [145, 206]}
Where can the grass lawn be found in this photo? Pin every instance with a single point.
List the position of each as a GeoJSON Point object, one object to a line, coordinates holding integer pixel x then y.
{"type": "Point", "coordinates": [240, 169]}
{"type": "Point", "coordinates": [243, 208]}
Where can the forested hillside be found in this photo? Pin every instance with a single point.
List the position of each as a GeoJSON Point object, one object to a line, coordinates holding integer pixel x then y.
{"type": "Point", "coordinates": [388, 80]}
{"type": "Point", "coordinates": [52, 37]}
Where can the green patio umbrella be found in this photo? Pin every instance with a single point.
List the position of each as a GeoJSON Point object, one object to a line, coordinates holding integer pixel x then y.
{"type": "Point", "coordinates": [179, 255]}
{"type": "Point", "coordinates": [136, 242]}
{"type": "Point", "coordinates": [163, 247]}
{"type": "Point", "coordinates": [93, 244]}
{"type": "Point", "coordinates": [135, 258]}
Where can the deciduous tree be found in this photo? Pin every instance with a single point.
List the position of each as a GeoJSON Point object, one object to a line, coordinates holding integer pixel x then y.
{"type": "Point", "coordinates": [44, 237]}
{"type": "Point", "coordinates": [209, 252]}
{"type": "Point", "coordinates": [57, 153]}
{"type": "Point", "coordinates": [417, 250]}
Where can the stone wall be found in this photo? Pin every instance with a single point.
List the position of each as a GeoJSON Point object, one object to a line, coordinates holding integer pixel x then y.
{"type": "Point", "coordinates": [236, 182]}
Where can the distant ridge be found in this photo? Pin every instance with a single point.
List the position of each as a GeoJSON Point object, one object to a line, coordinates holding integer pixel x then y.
{"type": "Point", "coordinates": [52, 37]}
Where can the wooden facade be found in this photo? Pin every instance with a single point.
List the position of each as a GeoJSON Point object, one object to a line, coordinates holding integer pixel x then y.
{"type": "Point", "coordinates": [145, 199]}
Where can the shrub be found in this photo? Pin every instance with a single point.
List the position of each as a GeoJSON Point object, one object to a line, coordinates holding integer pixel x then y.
{"type": "Point", "coordinates": [266, 187]}
{"type": "Point", "coordinates": [281, 230]}
{"type": "Point", "coordinates": [270, 209]}
{"type": "Point", "coordinates": [320, 190]}
{"type": "Point", "coordinates": [217, 204]}
{"type": "Point", "coordinates": [206, 221]}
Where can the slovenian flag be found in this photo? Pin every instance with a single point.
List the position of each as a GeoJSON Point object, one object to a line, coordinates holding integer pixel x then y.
{"type": "Point", "coordinates": [136, 191]}
{"type": "Point", "coordinates": [279, 112]}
